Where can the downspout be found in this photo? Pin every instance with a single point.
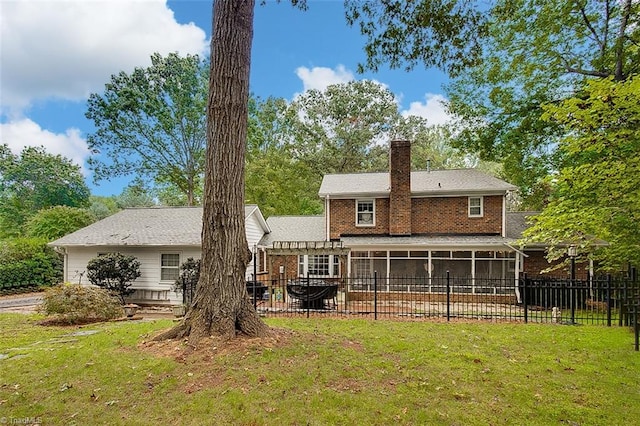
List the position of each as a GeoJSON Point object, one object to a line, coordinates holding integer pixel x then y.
{"type": "Point", "coordinates": [327, 217]}
{"type": "Point", "coordinates": [504, 215]}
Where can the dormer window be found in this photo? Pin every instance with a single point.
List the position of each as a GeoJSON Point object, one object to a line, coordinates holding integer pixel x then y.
{"type": "Point", "coordinates": [475, 207]}
{"type": "Point", "coordinates": [365, 212]}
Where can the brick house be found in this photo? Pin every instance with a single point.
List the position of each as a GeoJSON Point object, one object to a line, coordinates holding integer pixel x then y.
{"type": "Point", "coordinates": [404, 223]}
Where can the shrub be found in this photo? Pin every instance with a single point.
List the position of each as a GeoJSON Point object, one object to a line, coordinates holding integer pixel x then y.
{"type": "Point", "coordinates": [76, 304]}
{"type": "Point", "coordinates": [115, 272]}
{"type": "Point", "coordinates": [26, 262]}
{"type": "Point", "coordinates": [188, 279]}
{"type": "Point", "coordinates": [189, 275]}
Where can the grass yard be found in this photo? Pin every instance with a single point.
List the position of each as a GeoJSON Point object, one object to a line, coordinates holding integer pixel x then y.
{"type": "Point", "coordinates": [320, 372]}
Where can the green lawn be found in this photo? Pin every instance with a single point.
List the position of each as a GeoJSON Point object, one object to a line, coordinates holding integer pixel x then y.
{"type": "Point", "coordinates": [351, 372]}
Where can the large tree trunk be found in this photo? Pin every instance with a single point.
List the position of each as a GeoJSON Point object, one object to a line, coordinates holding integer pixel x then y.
{"type": "Point", "coordinates": [221, 306]}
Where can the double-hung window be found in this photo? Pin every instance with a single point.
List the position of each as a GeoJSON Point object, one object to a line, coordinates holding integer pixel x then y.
{"type": "Point", "coordinates": [169, 266]}
{"type": "Point", "coordinates": [475, 207]}
{"type": "Point", "coordinates": [365, 213]}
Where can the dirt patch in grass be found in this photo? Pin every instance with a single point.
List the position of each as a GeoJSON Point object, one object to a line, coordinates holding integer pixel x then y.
{"type": "Point", "coordinates": [213, 347]}
{"type": "Point", "coordinates": [206, 364]}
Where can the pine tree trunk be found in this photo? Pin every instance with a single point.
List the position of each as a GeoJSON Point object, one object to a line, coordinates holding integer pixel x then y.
{"type": "Point", "coordinates": [221, 305]}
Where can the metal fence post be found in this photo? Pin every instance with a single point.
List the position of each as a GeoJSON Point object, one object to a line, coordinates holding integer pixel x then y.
{"type": "Point", "coordinates": [608, 300]}
{"type": "Point", "coordinates": [448, 298]}
{"type": "Point", "coordinates": [524, 298]}
{"type": "Point", "coordinates": [375, 295]}
{"type": "Point", "coordinates": [573, 289]}
{"type": "Point", "coordinates": [308, 289]}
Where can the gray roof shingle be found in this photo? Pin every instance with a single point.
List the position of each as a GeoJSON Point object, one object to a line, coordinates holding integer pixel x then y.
{"type": "Point", "coordinates": [423, 183]}
{"type": "Point", "coordinates": [294, 228]}
{"type": "Point", "coordinates": [149, 226]}
{"type": "Point", "coordinates": [517, 222]}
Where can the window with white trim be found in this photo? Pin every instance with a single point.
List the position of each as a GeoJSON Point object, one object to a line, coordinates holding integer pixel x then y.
{"type": "Point", "coordinates": [365, 212]}
{"type": "Point", "coordinates": [475, 207]}
{"type": "Point", "coordinates": [319, 265]}
{"type": "Point", "coordinates": [169, 266]}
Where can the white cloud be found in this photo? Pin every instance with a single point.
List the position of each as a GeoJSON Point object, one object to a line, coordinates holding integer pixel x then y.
{"type": "Point", "coordinates": [68, 49]}
{"type": "Point", "coordinates": [432, 109]}
{"type": "Point", "coordinates": [319, 78]}
{"type": "Point", "coordinates": [21, 133]}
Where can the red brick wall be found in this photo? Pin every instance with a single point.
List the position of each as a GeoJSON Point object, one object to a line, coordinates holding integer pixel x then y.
{"type": "Point", "coordinates": [536, 262]}
{"type": "Point", "coordinates": [400, 194]}
{"type": "Point", "coordinates": [290, 264]}
{"type": "Point", "coordinates": [450, 215]}
{"type": "Point", "coordinates": [343, 218]}
{"type": "Point", "coordinates": [446, 215]}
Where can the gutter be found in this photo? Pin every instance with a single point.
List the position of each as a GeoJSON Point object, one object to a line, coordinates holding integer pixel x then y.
{"type": "Point", "coordinates": [516, 250]}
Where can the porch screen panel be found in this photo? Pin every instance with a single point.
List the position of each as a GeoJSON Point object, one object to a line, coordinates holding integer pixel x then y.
{"type": "Point", "coordinates": [459, 272]}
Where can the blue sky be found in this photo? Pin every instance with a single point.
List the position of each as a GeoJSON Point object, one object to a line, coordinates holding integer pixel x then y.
{"type": "Point", "coordinates": [53, 54]}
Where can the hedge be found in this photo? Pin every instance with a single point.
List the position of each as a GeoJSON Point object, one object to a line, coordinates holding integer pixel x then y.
{"type": "Point", "coordinates": [28, 263]}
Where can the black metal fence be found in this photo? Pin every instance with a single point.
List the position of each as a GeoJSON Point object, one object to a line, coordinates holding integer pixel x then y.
{"type": "Point", "coordinates": [604, 300]}
{"type": "Point", "coordinates": [597, 300]}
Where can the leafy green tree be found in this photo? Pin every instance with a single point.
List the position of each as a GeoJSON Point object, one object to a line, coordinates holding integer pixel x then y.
{"type": "Point", "coordinates": [274, 179]}
{"type": "Point", "coordinates": [102, 207]}
{"type": "Point", "coordinates": [343, 129]}
{"type": "Point", "coordinates": [536, 53]}
{"type": "Point", "coordinates": [151, 123]}
{"type": "Point", "coordinates": [508, 57]}
{"type": "Point", "coordinates": [35, 180]}
{"type": "Point", "coordinates": [336, 130]}
{"type": "Point", "coordinates": [596, 193]}
{"type": "Point", "coordinates": [55, 222]}
{"type": "Point", "coordinates": [431, 147]}
{"type": "Point", "coordinates": [400, 34]}
{"type": "Point", "coordinates": [136, 194]}
{"type": "Point", "coordinates": [115, 272]}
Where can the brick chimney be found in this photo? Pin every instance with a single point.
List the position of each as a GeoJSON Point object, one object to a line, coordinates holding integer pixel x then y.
{"type": "Point", "coordinates": [400, 196]}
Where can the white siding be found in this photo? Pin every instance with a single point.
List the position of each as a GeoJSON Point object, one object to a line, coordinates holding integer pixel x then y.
{"type": "Point", "coordinates": [150, 288]}
{"type": "Point", "coordinates": [255, 232]}
{"type": "Point", "coordinates": [149, 284]}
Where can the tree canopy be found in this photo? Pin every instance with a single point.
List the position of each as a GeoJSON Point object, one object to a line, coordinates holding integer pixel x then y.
{"type": "Point", "coordinates": [35, 180]}
{"type": "Point", "coordinates": [151, 123]}
{"type": "Point", "coordinates": [508, 58]}
{"type": "Point", "coordinates": [444, 34]}
{"type": "Point", "coordinates": [58, 221]}
{"type": "Point", "coordinates": [274, 179]}
{"type": "Point", "coordinates": [596, 193]}
{"type": "Point", "coordinates": [536, 53]}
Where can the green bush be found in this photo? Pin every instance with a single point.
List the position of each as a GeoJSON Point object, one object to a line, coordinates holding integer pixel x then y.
{"type": "Point", "coordinates": [115, 272]}
{"type": "Point", "coordinates": [58, 221]}
{"type": "Point", "coordinates": [26, 262]}
{"type": "Point", "coordinates": [189, 275]}
{"type": "Point", "coordinates": [77, 304]}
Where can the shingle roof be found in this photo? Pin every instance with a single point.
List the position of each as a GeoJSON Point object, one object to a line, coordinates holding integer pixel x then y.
{"type": "Point", "coordinates": [517, 222]}
{"type": "Point", "coordinates": [149, 226]}
{"type": "Point", "coordinates": [423, 183]}
{"type": "Point", "coordinates": [294, 228]}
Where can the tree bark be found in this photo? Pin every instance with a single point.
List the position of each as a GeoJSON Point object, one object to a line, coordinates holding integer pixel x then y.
{"type": "Point", "coordinates": [221, 305]}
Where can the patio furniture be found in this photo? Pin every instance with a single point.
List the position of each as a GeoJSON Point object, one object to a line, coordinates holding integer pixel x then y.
{"type": "Point", "coordinates": [313, 293]}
